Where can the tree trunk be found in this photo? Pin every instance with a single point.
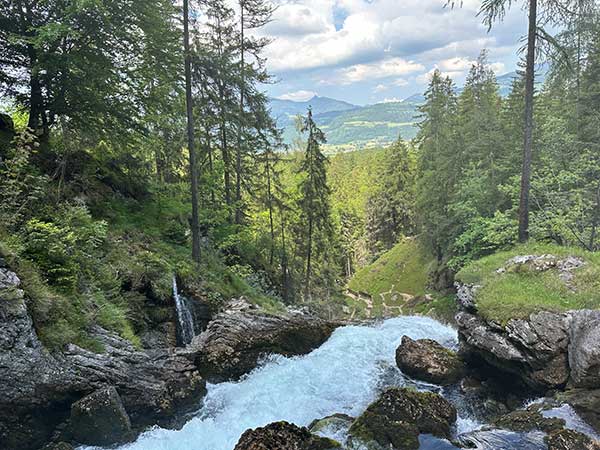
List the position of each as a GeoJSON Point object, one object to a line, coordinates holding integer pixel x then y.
{"type": "Point", "coordinates": [238, 155]}
{"type": "Point", "coordinates": [528, 138]}
{"type": "Point", "coordinates": [270, 205]}
{"type": "Point", "coordinates": [190, 135]}
{"type": "Point", "coordinates": [308, 259]}
{"type": "Point", "coordinates": [285, 283]}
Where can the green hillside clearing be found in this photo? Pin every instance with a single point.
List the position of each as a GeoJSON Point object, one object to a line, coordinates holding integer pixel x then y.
{"type": "Point", "coordinates": [522, 289]}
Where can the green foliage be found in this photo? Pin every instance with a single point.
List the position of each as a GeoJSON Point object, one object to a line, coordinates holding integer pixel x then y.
{"type": "Point", "coordinates": [68, 248]}
{"type": "Point", "coordinates": [22, 188]}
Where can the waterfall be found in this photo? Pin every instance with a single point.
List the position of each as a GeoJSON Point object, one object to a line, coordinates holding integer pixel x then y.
{"type": "Point", "coordinates": [185, 319]}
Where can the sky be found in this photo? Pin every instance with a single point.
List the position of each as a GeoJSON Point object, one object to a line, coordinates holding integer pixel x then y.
{"type": "Point", "coordinates": [371, 51]}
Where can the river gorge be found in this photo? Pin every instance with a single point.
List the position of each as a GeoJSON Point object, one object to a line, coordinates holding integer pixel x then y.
{"type": "Point", "coordinates": [342, 376]}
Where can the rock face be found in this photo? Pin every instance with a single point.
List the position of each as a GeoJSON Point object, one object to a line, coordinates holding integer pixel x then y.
{"type": "Point", "coordinates": [397, 418]}
{"type": "Point", "coordinates": [584, 349]}
{"type": "Point", "coordinates": [534, 349]}
{"type": "Point", "coordinates": [283, 436]}
{"type": "Point", "coordinates": [427, 360]}
{"type": "Point", "coordinates": [571, 440]}
{"type": "Point", "coordinates": [234, 341]}
{"type": "Point", "coordinates": [100, 419]}
{"type": "Point", "coordinates": [37, 389]}
{"type": "Point", "coordinates": [34, 387]}
{"type": "Point", "coordinates": [154, 385]}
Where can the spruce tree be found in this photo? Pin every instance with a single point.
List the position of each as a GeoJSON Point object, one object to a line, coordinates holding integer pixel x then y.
{"type": "Point", "coordinates": [314, 205]}
{"type": "Point", "coordinates": [438, 170]}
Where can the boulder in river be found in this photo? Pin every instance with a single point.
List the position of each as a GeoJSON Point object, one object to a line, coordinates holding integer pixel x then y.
{"type": "Point", "coordinates": [571, 440]}
{"type": "Point", "coordinates": [523, 421]}
{"type": "Point", "coordinates": [399, 415]}
{"type": "Point", "coordinates": [100, 419]}
{"type": "Point", "coordinates": [283, 436]}
{"type": "Point", "coordinates": [429, 361]}
{"type": "Point", "coordinates": [234, 341]}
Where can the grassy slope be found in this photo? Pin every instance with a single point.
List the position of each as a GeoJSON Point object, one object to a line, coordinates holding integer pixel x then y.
{"type": "Point", "coordinates": [404, 268]}
{"type": "Point", "coordinates": [518, 294]}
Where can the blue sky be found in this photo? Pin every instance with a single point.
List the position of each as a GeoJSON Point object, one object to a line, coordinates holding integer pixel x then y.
{"type": "Point", "coordinates": [369, 51]}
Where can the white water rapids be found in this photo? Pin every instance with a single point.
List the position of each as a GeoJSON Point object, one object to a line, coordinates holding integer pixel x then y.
{"type": "Point", "coordinates": [344, 375]}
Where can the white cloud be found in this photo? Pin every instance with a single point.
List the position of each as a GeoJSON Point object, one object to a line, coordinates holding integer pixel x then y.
{"type": "Point", "coordinates": [498, 67]}
{"type": "Point", "coordinates": [295, 19]}
{"type": "Point", "coordinates": [390, 100]}
{"type": "Point", "coordinates": [298, 96]}
{"type": "Point", "coordinates": [381, 69]}
{"type": "Point", "coordinates": [458, 64]}
{"type": "Point", "coordinates": [350, 42]}
{"type": "Point", "coordinates": [425, 78]}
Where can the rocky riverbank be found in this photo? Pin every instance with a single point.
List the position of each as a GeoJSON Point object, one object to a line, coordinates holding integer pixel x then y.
{"type": "Point", "coordinates": [80, 396]}
{"type": "Point", "coordinates": [550, 353]}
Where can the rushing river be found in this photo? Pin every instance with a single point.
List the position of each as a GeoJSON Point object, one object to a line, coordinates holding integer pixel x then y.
{"type": "Point", "coordinates": [342, 376]}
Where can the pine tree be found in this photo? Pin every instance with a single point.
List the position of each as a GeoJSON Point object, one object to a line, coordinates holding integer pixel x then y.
{"type": "Point", "coordinates": [438, 169]}
{"type": "Point", "coordinates": [314, 206]}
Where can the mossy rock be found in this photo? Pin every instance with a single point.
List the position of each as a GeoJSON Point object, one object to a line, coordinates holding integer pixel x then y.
{"type": "Point", "coordinates": [570, 440]}
{"type": "Point", "coordinates": [398, 416]}
{"type": "Point", "coordinates": [284, 436]}
{"type": "Point", "coordinates": [523, 421]}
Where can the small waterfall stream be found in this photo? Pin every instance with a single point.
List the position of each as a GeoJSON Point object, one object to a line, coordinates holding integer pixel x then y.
{"type": "Point", "coordinates": [185, 318]}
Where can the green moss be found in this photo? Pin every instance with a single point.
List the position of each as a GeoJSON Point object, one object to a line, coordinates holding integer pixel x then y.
{"type": "Point", "coordinates": [518, 293]}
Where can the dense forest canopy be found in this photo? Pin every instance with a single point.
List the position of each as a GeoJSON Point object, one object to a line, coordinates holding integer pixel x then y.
{"type": "Point", "coordinates": [95, 164]}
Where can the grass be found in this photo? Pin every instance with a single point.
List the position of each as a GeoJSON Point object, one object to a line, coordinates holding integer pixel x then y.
{"type": "Point", "coordinates": [517, 294]}
{"type": "Point", "coordinates": [405, 268]}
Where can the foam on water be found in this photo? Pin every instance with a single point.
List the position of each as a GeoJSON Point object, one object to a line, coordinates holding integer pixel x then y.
{"type": "Point", "coordinates": [342, 376]}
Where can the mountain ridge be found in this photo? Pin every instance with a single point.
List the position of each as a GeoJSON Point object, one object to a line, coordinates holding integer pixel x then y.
{"type": "Point", "coordinates": [352, 127]}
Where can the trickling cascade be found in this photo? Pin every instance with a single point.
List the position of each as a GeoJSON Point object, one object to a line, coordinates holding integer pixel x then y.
{"type": "Point", "coordinates": [185, 319]}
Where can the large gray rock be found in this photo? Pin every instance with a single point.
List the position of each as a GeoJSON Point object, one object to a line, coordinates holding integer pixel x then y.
{"type": "Point", "coordinates": [234, 341]}
{"type": "Point", "coordinates": [37, 388]}
{"type": "Point", "coordinates": [100, 419]}
{"type": "Point", "coordinates": [584, 349]}
{"type": "Point", "coordinates": [155, 385]}
{"type": "Point", "coordinates": [534, 349]}
{"type": "Point", "coordinates": [427, 360]}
